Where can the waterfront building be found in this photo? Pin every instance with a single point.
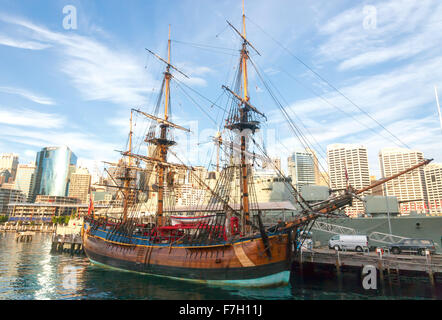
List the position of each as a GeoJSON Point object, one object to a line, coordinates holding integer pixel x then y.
{"type": "Point", "coordinates": [348, 165]}
{"type": "Point", "coordinates": [318, 177]}
{"type": "Point", "coordinates": [324, 179]}
{"type": "Point", "coordinates": [188, 195]}
{"type": "Point", "coordinates": [47, 207]}
{"type": "Point", "coordinates": [9, 161]}
{"type": "Point", "coordinates": [408, 188]}
{"type": "Point", "coordinates": [376, 191]}
{"type": "Point", "coordinates": [25, 180]}
{"type": "Point", "coordinates": [8, 195]}
{"type": "Point", "coordinates": [301, 167]}
{"type": "Point", "coordinates": [433, 183]}
{"type": "Point", "coordinates": [54, 165]}
{"type": "Point", "coordinates": [102, 197]}
{"type": "Point", "coordinates": [199, 174]}
{"type": "Point", "coordinates": [79, 185]}
{"type": "Point", "coordinates": [268, 186]}
{"type": "Point", "coordinates": [5, 176]}
{"type": "Point", "coordinates": [276, 164]}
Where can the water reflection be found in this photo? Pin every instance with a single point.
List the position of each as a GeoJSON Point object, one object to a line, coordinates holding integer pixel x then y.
{"type": "Point", "coordinates": [29, 271]}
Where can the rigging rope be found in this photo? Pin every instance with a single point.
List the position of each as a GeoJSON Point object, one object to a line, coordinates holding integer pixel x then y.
{"type": "Point", "coordinates": [328, 83]}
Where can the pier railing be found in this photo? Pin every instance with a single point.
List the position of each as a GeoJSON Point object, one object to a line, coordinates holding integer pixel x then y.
{"type": "Point", "coordinates": [332, 228]}
{"type": "Point", "coordinates": [385, 237]}
{"type": "Point", "coordinates": [20, 228]}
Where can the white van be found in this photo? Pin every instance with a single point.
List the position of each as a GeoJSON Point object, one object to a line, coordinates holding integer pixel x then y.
{"type": "Point", "coordinates": [348, 242]}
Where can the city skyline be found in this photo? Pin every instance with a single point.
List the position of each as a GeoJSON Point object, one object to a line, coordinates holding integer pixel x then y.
{"type": "Point", "coordinates": [100, 70]}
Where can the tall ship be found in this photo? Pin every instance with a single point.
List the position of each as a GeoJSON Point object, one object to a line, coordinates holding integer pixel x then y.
{"type": "Point", "coordinates": [223, 241]}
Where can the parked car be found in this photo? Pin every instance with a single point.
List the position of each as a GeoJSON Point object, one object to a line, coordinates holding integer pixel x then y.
{"type": "Point", "coordinates": [348, 242]}
{"type": "Point", "coordinates": [413, 245]}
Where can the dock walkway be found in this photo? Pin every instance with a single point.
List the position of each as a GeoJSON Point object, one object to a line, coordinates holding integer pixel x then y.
{"type": "Point", "coordinates": [430, 265]}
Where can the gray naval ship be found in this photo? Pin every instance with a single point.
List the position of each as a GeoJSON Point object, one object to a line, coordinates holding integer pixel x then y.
{"type": "Point", "coordinates": [381, 222]}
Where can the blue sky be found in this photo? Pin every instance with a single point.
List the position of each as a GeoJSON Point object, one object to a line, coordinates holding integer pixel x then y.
{"type": "Point", "coordinates": [76, 87]}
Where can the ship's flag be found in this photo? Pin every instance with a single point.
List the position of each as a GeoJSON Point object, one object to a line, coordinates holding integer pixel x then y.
{"type": "Point", "coordinates": [91, 207]}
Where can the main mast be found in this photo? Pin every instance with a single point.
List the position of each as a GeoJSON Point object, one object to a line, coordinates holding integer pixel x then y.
{"type": "Point", "coordinates": [244, 118]}
{"type": "Point", "coordinates": [163, 143]}
{"type": "Point", "coordinates": [242, 121]}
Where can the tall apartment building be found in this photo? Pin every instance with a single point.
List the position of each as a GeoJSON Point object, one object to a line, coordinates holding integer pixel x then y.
{"type": "Point", "coordinates": [25, 180]}
{"type": "Point", "coordinates": [301, 167]}
{"type": "Point", "coordinates": [433, 183]}
{"type": "Point", "coordinates": [79, 185]}
{"type": "Point", "coordinates": [408, 188]}
{"type": "Point", "coordinates": [349, 160]}
{"type": "Point", "coordinates": [9, 161]}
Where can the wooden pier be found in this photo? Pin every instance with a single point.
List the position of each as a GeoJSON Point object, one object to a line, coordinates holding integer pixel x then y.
{"type": "Point", "coordinates": [24, 236]}
{"type": "Point", "coordinates": [67, 238]}
{"type": "Point", "coordinates": [388, 265]}
{"type": "Point", "coordinates": [69, 243]}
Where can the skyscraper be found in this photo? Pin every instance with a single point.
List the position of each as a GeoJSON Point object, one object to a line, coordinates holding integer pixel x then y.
{"type": "Point", "coordinates": [348, 161]}
{"type": "Point", "coordinates": [54, 165]}
{"type": "Point", "coordinates": [9, 161]}
{"type": "Point", "coordinates": [433, 183]}
{"type": "Point", "coordinates": [301, 167]}
{"type": "Point", "coordinates": [25, 180]}
{"type": "Point", "coordinates": [408, 188]}
{"type": "Point", "coordinates": [79, 185]}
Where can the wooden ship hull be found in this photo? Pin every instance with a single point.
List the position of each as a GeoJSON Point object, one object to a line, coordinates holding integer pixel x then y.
{"type": "Point", "coordinates": [241, 263]}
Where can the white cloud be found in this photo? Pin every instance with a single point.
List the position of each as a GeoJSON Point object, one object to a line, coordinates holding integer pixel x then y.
{"type": "Point", "coordinates": [28, 95]}
{"type": "Point", "coordinates": [402, 31]}
{"type": "Point", "coordinates": [30, 118]}
{"type": "Point", "coordinates": [88, 145]}
{"type": "Point", "coordinates": [22, 44]}
{"type": "Point", "coordinates": [97, 71]}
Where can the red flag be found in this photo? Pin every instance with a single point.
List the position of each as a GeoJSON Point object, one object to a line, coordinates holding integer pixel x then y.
{"type": "Point", "coordinates": [91, 207]}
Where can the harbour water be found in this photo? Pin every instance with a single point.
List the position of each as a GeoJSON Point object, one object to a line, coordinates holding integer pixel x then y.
{"type": "Point", "coordinates": [28, 271]}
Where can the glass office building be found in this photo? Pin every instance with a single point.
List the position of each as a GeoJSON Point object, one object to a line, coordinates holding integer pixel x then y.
{"type": "Point", "coordinates": [54, 166]}
{"type": "Point", "coordinates": [301, 167]}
